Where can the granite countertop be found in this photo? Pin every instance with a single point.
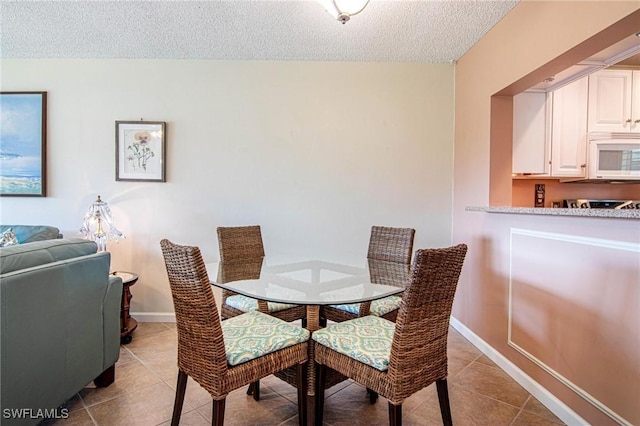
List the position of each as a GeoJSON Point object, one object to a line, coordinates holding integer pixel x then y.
{"type": "Point", "coordinates": [609, 213]}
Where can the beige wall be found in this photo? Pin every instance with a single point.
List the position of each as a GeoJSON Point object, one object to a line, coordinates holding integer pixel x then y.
{"type": "Point", "coordinates": [314, 152]}
{"type": "Point", "coordinates": [531, 41]}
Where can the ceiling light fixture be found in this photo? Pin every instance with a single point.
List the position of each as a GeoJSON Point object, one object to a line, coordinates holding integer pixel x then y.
{"type": "Point", "coordinates": [343, 10]}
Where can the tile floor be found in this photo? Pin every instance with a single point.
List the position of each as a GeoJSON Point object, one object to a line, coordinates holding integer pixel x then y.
{"type": "Point", "coordinates": [143, 393]}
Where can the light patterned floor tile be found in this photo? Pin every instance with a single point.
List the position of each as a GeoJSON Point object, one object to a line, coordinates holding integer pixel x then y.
{"type": "Point", "coordinates": [144, 391]}
{"type": "Point", "coordinates": [535, 407]}
{"type": "Point", "coordinates": [467, 408]}
{"type": "Point", "coordinates": [150, 405]}
{"type": "Point", "coordinates": [242, 410]}
{"type": "Point", "coordinates": [492, 382]}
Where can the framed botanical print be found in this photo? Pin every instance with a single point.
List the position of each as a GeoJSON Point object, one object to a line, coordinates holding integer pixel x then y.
{"type": "Point", "coordinates": [140, 151]}
{"type": "Point", "coordinates": [23, 144]}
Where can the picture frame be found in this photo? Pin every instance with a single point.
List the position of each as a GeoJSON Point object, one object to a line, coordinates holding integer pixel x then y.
{"type": "Point", "coordinates": [141, 151]}
{"type": "Point", "coordinates": [23, 144]}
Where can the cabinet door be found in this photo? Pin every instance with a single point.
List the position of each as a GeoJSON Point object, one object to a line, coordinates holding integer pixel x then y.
{"type": "Point", "coordinates": [569, 130]}
{"type": "Point", "coordinates": [610, 101]}
{"type": "Point", "coordinates": [530, 139]}
{"type": "Point", "coordinates": [635, 102]}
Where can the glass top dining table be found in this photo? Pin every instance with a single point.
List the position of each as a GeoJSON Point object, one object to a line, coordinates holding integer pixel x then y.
{"type": "Point", "coordinates": [309, 282]}
{"type": "Point", "coordinates": [312, 283]}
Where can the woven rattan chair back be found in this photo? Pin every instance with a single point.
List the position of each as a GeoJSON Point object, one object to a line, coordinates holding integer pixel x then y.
{"type": "Point", "coordinates": [240, 242]}
{"type": "Point", "coordinates": [419, 348]}
{"type": "Point", "coordinates": [201, 352]}
{"type": "Point", "coordinates": [391, 244]}
{"type": "Point", "coordinates": [241, 248]}
{"type": "Point", "coordinates": [389, 273]}
{"type": "Point", "coordinates": [241, 255]}
{"type": "Point", "coordinates": [238, 246]}
{"type": "Point", "coordinates": [388, 254]}
{"type": "Point", "coordinates": [236, 270]}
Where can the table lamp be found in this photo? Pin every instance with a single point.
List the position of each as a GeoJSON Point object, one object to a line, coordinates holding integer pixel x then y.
{"type": "Point", "coordinates": [99, 225]}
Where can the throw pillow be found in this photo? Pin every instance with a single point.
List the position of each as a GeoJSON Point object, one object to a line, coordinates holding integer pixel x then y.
{"type": "Point", "coordinates": [8, 238]}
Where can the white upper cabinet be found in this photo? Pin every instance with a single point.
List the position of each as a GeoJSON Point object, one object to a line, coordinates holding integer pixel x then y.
{"type": "Point", "coordinates": [614, 101]}
{"type": "Point", "coordinates": [550, 132]}
{"type": "Point", "coordinates": [569, 130]}
{"type": "Point", "coordinates": [530, 135]}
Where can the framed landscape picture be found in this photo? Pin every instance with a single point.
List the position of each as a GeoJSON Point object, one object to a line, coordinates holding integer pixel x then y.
{"type": "Point", "coordinates": [140, 151]}
{"type": "Point", "coordinates": [23, 130]}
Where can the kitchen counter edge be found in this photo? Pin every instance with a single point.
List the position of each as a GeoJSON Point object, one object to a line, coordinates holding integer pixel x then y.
{"type": "Point", "coordinates": [608, 213]}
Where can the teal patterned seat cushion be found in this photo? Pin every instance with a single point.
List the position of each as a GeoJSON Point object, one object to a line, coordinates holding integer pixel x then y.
{"type": "Point", "coordinates": [247, 304]}
{"type": "Point", "coordinates": [254, 334]}
{"type": "Point", "coordinates": [378, 308]}
{"type": "Point", "coordinates": [366, 339]}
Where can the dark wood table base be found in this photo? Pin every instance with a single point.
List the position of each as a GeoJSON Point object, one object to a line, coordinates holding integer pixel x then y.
{"type": "Point", "coordinates": [127, 324]}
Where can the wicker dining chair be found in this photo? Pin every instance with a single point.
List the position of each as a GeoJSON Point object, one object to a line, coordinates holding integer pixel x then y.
{"type": "Point", "coordinates": [387, 246]}
{"type": "Point", "coordinates": [241, 252]}
{"type": "Point", "coordinates": [391, 244]}
{"type": "Point", "coordinates": [397, 360]}
{"type": "Point", "coordinates": [225, 355]}
{"type": "Point", "coordinates": [244, 243]}
{"type": "Point", "coordinates": [240, 242]}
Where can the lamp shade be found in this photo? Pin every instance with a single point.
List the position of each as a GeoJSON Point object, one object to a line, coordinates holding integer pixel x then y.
{"type": "Point", "coordinates": [99, 225]}
{"type": "Point", "coordinates": [343, 10]}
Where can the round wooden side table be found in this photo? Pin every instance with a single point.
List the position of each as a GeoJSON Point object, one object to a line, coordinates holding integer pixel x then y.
{"type": "Point", "coordinates": [127, 324]}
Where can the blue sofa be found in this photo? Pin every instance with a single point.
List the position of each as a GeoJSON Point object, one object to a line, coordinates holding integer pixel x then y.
{"type": "Point", "coordinates": [60, 323]}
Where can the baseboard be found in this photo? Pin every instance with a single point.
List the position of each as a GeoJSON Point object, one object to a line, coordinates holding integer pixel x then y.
{"type": "Point", "coordinates": [557, 407]}
{"type": "Point", "coordinates": [154, 316]}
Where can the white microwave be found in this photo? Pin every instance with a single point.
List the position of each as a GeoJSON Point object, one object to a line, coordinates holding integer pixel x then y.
{"type": "Point", "coordinates": [615, 159]}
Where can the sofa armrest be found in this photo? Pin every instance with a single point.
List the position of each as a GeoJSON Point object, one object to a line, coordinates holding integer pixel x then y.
{"type": "Point", "coordinates": [111, 315]}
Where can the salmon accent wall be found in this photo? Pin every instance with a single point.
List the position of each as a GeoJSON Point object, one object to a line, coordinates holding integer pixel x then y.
{"type": "Point", "coordinates": [594, 44]}
{"type": "Point", "coordinates": [567, 332]}
{"type": "Point", "coordinates": [501, 150]}
{"type": "Point", "coordinates": [532, 40]}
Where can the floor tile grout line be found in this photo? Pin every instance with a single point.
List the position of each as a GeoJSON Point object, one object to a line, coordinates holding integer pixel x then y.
{"type": "Point", "coordinates": [520, 411]}
{"type": "Point", "coordinates": [525, 403]}
{"type": "Point", "coordinates": [148, 367]}
{"type": "Point", "coordinates": [285, 421]}
{"type": "Point", "coordinates": [495, 367]}
{"type": "Point", "coordinates": [181, 416]}
{"type": "Point", "coordinates": [279, 394]}
{"type": "Point", "coordinates": [461, 370]}
{"type": "Point", "coordinates": [95, 422]}
{"type": "Point", "coordinates": [490, 397]}
{"type": "Point", "coordinates": [162, 380]}
{"type": "Point", "coordinates": [499, 368]}
{"type": "Point", "coordinates": [86, 408]}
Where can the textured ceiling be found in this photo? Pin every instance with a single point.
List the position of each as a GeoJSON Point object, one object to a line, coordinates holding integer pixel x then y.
{"type": "Point", "coordinates": [386, 31]}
